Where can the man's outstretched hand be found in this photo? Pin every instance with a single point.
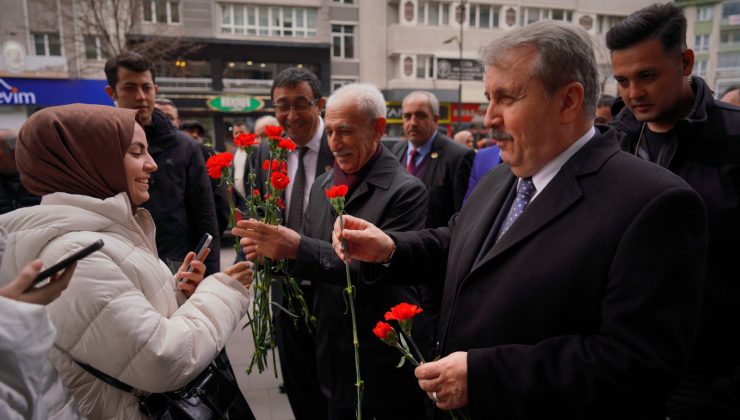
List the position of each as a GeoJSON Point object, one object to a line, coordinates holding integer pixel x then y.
{"type": "Point", "coordinates": [365, 242]}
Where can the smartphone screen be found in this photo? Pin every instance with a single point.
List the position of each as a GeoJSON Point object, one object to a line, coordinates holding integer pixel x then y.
{"type": "Point", "coordinates": [64, 263]}
{"type": "Point", "coordinates": [200, 250]}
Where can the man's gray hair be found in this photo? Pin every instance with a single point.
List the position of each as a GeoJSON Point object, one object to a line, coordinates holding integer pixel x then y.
{"type": "Point", "coordinates": [565, 55]}
{"type": "Point", "coordinates": [431, 99]}
{"type": "Point", "coordinates": [368, 98]}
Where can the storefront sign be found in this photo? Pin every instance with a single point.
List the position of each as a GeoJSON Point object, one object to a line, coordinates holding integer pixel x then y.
{"type": "Point", "coordinates": [235, 103]}
{"type": "Point", "coordinates": [449, 69]}
{"type": "Point", "coordinates": [50, 92]}
{"type": "Point", "coordinates": [471, 113]}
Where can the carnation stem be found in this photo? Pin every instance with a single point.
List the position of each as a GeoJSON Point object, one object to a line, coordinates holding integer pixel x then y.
{"type": "Point", "coordinates": [355, 341]}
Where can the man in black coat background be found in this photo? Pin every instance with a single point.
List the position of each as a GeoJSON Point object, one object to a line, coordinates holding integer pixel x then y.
{"type": "Point", "coordinates": [573, 273]}
{"type": "Point", "coordinates": [672, 119]}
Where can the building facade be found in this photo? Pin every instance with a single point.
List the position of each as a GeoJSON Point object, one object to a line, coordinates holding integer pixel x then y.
{"type": "Point", "coordinates": [216, 58]}
{"type": "Point", "coordinates": [714, 35]}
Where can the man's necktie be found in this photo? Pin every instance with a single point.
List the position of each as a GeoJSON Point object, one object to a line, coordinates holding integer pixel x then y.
{"type": "Point", "coordinates": [295, 211]}
{"type": "Point", "coordinates": [411, 166]}
{"type": "Point", "coordinates": [524, 192]}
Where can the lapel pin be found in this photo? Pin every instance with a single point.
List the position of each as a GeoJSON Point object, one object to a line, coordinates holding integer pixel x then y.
{"type": "Point", "coordinates": [435, 155]}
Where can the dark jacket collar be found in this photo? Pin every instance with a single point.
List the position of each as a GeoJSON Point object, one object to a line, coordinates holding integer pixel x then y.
{"type": "Point", "coordinates": [161, 134]}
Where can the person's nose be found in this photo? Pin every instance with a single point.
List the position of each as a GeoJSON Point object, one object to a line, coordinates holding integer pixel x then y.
{"type": "Point", "coordinates": [493, 117]}
{"type": "Point", "coordinates": [635, 91]}
{"type": "Point", "coordinates": [150, 165]}
{"type": "Point", "coordinates": [140, 95]}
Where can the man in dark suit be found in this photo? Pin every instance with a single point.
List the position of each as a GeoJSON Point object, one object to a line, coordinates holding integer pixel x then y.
{"type": "Point", "coordinates": [298, 103]}
{"type": "Point", "coordinates": [672, 119]}
{"type": "Point", "coordinates": [379, 190]}
{"type": "Point", "coordinates": [443, 165]}
{"type": "Point", "coordinates": [573, 274]}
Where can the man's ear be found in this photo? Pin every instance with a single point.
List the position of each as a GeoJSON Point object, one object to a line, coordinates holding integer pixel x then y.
{"type": "Point", "coordinates": [687, 59]}
{"type": "Point", "coordinates": [320, 105]}
{"type": "Point", "coordinates": [379, 127]}
{"type": "Point", "coordinates": [111, 92]}
{"type": "Point", "coordinates": [571, 102]}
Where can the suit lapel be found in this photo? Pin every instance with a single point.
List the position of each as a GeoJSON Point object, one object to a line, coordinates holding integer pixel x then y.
{"type": "Point", "coordinates": [325, 159]}
{"type": "Point", "coordinates": [435, 154]}
{"type": "Point", "coordinates": [559, 195]}
{"type": "Point", "coordinates": [399, 149]}
{"type": "Point", "coordinates": [481, 222]}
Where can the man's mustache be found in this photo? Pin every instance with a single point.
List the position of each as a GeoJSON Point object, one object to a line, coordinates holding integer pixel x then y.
{"type": "Point", "coordinates": [499, 134]}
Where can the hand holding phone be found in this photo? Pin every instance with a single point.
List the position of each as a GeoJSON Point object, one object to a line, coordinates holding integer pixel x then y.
{"type": "Point", "coordinates": [82, 253]}
{"type": "Point", "coordinates": [187, 278]}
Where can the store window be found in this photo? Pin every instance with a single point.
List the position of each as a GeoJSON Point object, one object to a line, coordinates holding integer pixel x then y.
{"type": "Point", "coordinates": [434, 13]}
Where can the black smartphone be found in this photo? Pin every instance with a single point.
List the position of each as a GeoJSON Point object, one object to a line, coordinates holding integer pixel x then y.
{"type": "Point", "coordinates": [62, 264]}
{"type": "Point", "coordinates": [205, 243]}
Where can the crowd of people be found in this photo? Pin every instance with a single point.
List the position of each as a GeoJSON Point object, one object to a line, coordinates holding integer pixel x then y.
{"type": "Point", "coordinates": [584, 265]}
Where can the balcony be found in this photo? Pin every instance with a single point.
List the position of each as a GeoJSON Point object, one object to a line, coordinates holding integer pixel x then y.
{"type": "Point", "coordinates": [185, 84]}
{"type": "Point", "coordinates": [251, 86]}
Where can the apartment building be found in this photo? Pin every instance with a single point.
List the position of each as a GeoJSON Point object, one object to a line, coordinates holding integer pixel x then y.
{"type": "Point", "coordinates": [714, 35]}
{"type": "Point", "coordinates": [434, 45]}
{"type": "Point", "coordinates": [219, 56]}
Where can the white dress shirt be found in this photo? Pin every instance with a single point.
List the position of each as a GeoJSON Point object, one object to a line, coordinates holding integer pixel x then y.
{"type": "Point", "coordinates": [548, 172]}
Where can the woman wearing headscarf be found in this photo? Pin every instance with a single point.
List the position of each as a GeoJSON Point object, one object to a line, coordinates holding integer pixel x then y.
{"type": "Point", "coordinates": [123, 312]}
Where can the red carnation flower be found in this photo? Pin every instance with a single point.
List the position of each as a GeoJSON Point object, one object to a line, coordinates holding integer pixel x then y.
{"type": "Point", "coordinates": [276, 165]}
{"type": "Point", "coordinates": [273, 130]}
{"type": "Point", "coordinates": [280, 203]}
{"type": "Point", "coordinates": [385, 332]}
{"type": "Point", "coordinates": [256, 192]}
{"type": "Point", "coordinates": [217, 163]}
{"type": "Point", "coordinates": [286, 144]}
{"type": "Point", "coordinates": [403, 312]}
{"type": "Point", "coordinates": [245, 140]}
{"type": "Point", "coordinates": [279, 180]}
{"type": "Point", "coordinates": [336, 191]}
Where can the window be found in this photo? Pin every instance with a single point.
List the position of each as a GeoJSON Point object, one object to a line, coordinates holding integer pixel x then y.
{"type": "Point", "coordinates": [424, 67]}
{"type": "Point", "coordinates": [94, 48]}
{"type": "Point", "coordinates": [47, 43]}
{"type": "Point", "coordinates": [731, 60]}
{"type": "Point", "coordinates": [245, 19]}
{"type": "Point", "coordinates": [704, 14]}
{"type": "Point", "coordinates": [161, 11]}
{"type": "Point", "coordinates": [483, 16]}
{"type": "Point", "coordinates": [606, 22]}
{"type": "Point", "coordinates": [730, 8]}
{"type": "Point", "coordinates": [530, 15]}
{"type": "Point", "coordinates": [343, 41]}
{"type": "Point", "coordinates": [729, 38]}
{"type": "Point", "coordinates": [337, 83]}
{"type": "Point", "coordinates": [434, 13]}
{"type": "Point", "coordinates": [343, 1]}
{"type": "Point", "coordinates": [700, 68]}
{"type": "Point", "coordinates": [701, 43]}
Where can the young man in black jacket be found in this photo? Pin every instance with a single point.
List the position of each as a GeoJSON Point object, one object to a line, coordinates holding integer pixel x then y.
{"type": "Point", "coordinates": [181, 200]}
{"type": "Point", "coordinates": [671, 118]}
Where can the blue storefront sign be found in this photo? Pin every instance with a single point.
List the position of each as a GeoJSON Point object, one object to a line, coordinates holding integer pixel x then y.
{"type": "Point", "coordinates": [50, 92]}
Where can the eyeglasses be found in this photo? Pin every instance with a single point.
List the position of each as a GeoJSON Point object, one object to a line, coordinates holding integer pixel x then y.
{"type": "Point", "coordinates": [300, 106]}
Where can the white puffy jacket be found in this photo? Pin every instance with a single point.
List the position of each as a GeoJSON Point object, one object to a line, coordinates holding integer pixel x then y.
{"type": "Point", "coordinates": [120, 313]}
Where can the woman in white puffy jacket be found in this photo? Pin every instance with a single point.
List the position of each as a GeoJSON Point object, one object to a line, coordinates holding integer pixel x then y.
{"type": "Point", "coordinates": [123, 312]}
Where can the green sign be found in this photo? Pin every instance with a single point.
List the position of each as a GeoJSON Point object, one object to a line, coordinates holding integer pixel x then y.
{"type": "Point", "coordinates": [235, 103]}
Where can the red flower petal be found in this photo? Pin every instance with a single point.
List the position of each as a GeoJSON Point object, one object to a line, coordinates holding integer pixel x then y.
{"type": "Point", "coordinates": [402, 312]}
{"type": "Point", "coordinates": [273, 130]}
